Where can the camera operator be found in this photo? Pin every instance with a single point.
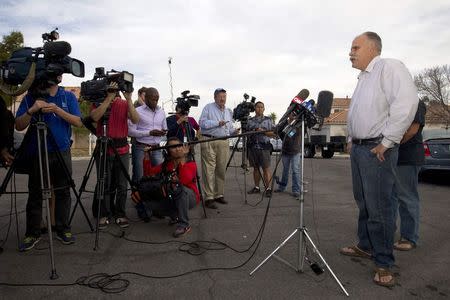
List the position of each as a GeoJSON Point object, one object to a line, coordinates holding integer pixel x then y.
{"type": "Point", "coordinates": [181, 125]}
{"type": "Point", "coordinates": [119, 111]}
{"type": "Point", "coordinates": [215, 121]}
{"type": "Point", "coordinates": [59, 111]}
{"type": "Point", "coordinates": [148, 132]}
{"type": "Point", "coordinates": [259, 148]}
{"type": "Point", "coordinates": [175, 191]}
{"type": "Point", "coordinates": [6, 134]}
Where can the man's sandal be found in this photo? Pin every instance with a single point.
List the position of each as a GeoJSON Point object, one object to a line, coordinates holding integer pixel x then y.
{"type": "Point", "coordinates": [381, 272]}
{"type": "Point", "coordinates": [404, 245]}
{"type": "Point", "coordinates": [355, 251]}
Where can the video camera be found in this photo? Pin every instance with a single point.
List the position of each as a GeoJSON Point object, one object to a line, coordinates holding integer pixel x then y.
{"type": "Point", "coordinates": [186, 101]}
{"type": "Point", "coordinates": [36, 69]}
{"type": "Point", "coordinates": [96, 89]}
{"type": "Point", "coordinates": [243, 110]}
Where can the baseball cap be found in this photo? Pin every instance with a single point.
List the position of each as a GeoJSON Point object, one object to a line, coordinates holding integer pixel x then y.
{"type": "Point", "coordinates": [219, 90]}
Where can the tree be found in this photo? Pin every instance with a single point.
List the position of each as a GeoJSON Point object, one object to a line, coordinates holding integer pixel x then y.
{"type": "Point", "coordinates": [433, 85]}
{"type": "Point", "coordinates": [10, 43]}
{"type": "Point", "coordinates": [273, 116]}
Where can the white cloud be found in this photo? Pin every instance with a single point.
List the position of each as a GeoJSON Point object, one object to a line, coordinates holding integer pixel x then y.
{"type": "Point", "coordinates": [270, 49]}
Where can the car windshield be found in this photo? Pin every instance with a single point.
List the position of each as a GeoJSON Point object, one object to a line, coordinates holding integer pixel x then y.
{"type": "Point", "coordinates": [435, 133]}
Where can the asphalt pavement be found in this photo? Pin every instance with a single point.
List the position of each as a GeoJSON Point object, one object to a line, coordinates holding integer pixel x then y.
{"type": "Point", "coordinates": [214, 271]}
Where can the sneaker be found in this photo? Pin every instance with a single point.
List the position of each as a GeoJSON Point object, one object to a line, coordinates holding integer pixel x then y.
{"type": "Point", "coordinates": [103, 224]}
{"type": "Point", "coordinates": [210, 204]}
{"type": "Point", "coordinates": [278, 191]}
{"type": "Point", "coordinates": [122, 222]}
{"type": "Point", "coordinates": [173, 221]}
{"type": "Point", "coordinates": [181, 230]}
{"type": "Point", "coordinates": [268, 193]}
{"type": "Point", "coordinates": [221, 200]}
{"type": "Point", "coordinates": [28, 243]}
{"type": "Point", "coordinates": [65, 237]}
{"type": "Point", "coordinates": [255, 190]}
{"type": "Point", "coordinates": [295, 195]}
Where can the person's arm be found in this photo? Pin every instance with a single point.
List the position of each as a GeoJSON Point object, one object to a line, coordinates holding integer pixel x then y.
{"type": "Point", "coordinates": [205, 121]}
{"type": "Point", "coordinates": [410, 132]}
{"type": "Point", "coordinates": [98, 112]}
{"type": "Point", "coordinates": [73, 116]}
{"type": "Point", "coordinates": [133, 115]}
{"type": "Point", "coordinates": [401, 94]}
{"type": "Point", "coordinates": [270, 134]}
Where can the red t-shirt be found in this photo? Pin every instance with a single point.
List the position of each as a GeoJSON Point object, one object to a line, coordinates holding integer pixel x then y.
{"type": "Point", "coordinates": [117, 124]}
{"type": "Point", "coordinates": [187, 174]}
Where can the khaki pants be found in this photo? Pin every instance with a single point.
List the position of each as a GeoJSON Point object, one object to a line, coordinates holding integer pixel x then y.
{"type": "Point", "coordinates": [214, 161]}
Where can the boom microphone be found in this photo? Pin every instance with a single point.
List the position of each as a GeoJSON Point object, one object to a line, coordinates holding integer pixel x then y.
{"type": "Point", "coordinates": [57, 49]}
{"type": "Point", "coordinates": [324, 103]}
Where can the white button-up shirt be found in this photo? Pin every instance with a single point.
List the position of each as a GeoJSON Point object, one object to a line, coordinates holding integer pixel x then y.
{"type": "Point", "coordinates": [384, 102]}
{"type": "Point", "coordinates": [148, 120]}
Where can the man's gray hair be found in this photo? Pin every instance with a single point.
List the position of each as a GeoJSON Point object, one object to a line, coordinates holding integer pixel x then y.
{"type": "Point", "coordinates": [375, 38]}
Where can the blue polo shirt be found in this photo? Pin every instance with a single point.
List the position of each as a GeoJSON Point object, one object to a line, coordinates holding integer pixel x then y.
{"type": "Point", "coordinates": [60, 128]}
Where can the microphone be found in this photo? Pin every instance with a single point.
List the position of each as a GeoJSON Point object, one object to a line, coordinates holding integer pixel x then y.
{"type": "Point", "coordinates": [324, 103]}
{"type": "Point", "coordinates": [57, 49]}
{"type": "Point", "coordinates": [295, 103]}
{"type": "Point", "coordinates": [309, 105]}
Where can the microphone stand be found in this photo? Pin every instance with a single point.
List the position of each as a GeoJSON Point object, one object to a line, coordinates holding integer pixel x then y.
{"type": "Point", "coordinates": [302, 231]}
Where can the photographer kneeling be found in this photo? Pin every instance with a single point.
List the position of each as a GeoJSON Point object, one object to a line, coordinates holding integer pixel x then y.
{"type": "Point", "coordinates": [170, 189]}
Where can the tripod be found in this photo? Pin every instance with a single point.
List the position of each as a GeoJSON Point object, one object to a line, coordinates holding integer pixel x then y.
{"type": "Point", "coordinates": [42, 132]}
{"type": "Point", "coordinates": [303, 236]}
{"type": "Point", "coordinates": [187, 129]}
{"type": "Point", "coordinates": [101, 155]}
{"type": "Point", "coordinates": [244, 165]}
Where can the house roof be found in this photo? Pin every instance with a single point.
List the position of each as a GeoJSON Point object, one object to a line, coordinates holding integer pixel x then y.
{"type": "Point", "coordinates": [337, 118]}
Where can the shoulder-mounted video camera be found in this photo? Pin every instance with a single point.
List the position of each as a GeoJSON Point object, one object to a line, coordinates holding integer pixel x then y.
{"type": "Point", "coordinates": [96, 89]}
{"type": "Point", "coordinates": [36, 69]}
{"type": "Point", "coordinates": [185, 102]}
{"type": "Point", "coordinates": [243, 110]}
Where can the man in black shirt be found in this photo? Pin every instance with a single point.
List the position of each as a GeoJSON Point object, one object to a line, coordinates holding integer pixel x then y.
{"type": "Point", "coordinates": [410, 158]}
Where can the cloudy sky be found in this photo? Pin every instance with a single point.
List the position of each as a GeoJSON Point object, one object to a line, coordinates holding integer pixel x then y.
{"type": "Point", "coordinates": [269, 49]}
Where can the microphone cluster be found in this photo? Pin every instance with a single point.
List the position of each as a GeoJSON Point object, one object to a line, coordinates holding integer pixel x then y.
{"type": "Point", "coordinates": [301, 110]}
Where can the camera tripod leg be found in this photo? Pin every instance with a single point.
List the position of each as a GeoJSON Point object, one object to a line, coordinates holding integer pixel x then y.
{"type": "Point", "coordinates": [275, 251]}
{"type": "Point", "coordinates": [82, 189]}
{"type": "Point", "coordinates": [100, 188]}
{"type": "Point", "coordinates": [72, 182]}
{"type": "Point", "coordinates": [46, 187]}
{"type": "Point", "coordinates": [305, 233]}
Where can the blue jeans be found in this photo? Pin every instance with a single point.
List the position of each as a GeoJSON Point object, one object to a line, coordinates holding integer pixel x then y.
{"type": "Point", "coordinates": [294, 162]}
{"type": "Point", "coordinates": [373, 185]}
{"type": "Point", "coordinates": [406, 200]}
{"type": "Point", "coordinates": [137, 159]}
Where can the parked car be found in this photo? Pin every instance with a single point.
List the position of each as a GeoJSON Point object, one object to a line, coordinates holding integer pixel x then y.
{"type": "Point", "coordinates": [276, 143]}
{"type": "Point", "coordinates": [436, 144]}
{"type": "Point", "coordinates": [233, 141]}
